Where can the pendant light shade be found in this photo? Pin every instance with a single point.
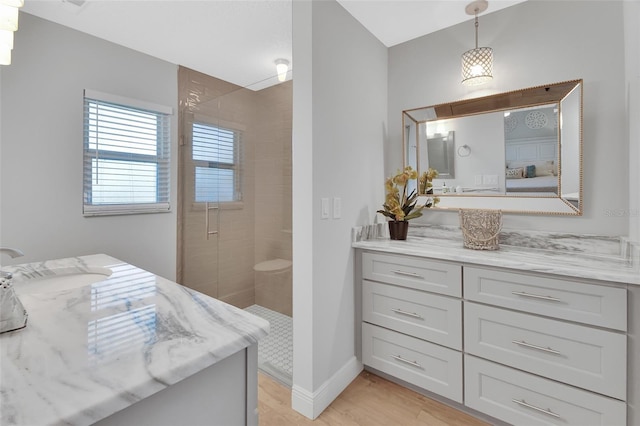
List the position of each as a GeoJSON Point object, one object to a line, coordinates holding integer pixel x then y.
{"type": "Point", "coordinates": [477, 64]}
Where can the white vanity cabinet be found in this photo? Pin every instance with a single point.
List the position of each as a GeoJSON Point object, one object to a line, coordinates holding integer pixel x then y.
{"type": "Point", "coordinates": [526, 399]}
{"type": "Point", "coordinates": [521, 347]}
{"type": "Point", "coordinates": [541, 350]}
{"type": "Point", "coordinates": [417, 273]}
{"type": "Point", "coordinates": [412, 325]}
{"type": "Point", "coordinates": [571, 300]}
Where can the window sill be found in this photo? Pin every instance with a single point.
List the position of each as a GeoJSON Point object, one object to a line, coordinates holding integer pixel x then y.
{"type": "Point", "coordinates": [119, 210]}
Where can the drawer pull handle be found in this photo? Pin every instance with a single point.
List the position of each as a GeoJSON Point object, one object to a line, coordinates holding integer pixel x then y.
{"type": "Point", "coordinates": [408, 274]}
{"type": "Point", "coordinates": [533, 407]}
{"type": "Point", "coordinates": [540, 348]}
{"type": "Point", "coordinates": [409, 314]}
{"type": "Point", "coordinates": [406, 361]}
{"type": "Point", "coordinates": [535, 296]}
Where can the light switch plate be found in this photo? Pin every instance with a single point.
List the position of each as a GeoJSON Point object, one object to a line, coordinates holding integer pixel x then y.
{"type": "Point", "coordinates": [491, 179]}
{"type": "Point", "coordinates": [324, 209]}
{"type": "Point", "coordinates": [337, 207]}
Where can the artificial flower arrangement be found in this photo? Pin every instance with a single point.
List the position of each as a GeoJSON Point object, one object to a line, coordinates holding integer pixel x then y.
{"type": "Point", "coordinates": [400, 206]}
{"type": "Point", "coordinates": [424, 183]}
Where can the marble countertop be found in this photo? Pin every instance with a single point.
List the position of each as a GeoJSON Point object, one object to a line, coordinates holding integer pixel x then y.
{"type": "Point", "coordinates": [90, 351]}
{"type": "Point", "coordinates": [613, 259]}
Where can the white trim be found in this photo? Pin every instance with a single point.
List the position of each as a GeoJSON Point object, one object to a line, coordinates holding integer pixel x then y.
{"type": "Point", "coordinates": [122, 100]}
{"type": "Point", "coordinates": [312, 404]}
{"type": "Point", "coordinates": [117, 209]}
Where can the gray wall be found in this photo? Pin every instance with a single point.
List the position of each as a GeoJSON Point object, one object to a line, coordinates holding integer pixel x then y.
{"type": "Point", "coordinates": [535, 43]}
{"type": "Point", "coordinates": [632, 70]}
{"type": "Point", "coordinates": [41, 146]}
{"type": "Point", "coordinates": [339, 125]}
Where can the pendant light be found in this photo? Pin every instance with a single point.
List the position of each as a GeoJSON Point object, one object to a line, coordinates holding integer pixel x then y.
{"type": "Point", "coordinates": [477, 64]}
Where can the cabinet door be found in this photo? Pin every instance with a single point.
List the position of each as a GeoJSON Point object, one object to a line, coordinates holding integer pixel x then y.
{"type": "Point", "coordinates": [420, 274]}
{"type": "Point", "coordinates": [558, 298]}
{"type": "Point", "coordinates": [427, 316]}
{"type": "Point", "coordinates": [524, 399]}
{"type": "Point", "coordinates": [426, 365]}
{"type": "Point", "coordinates": [579, 355]}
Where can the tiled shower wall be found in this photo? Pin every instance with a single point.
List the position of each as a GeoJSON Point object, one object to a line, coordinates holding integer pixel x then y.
{"type": "Point", "coordinates": [273, 199]}
{"type": "Point", "coordinates": [273, 174]}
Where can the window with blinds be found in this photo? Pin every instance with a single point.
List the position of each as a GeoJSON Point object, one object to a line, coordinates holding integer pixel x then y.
{"type": "Point", "coordinates": [216, 156]}
{"type": "Point", "coordinates": [126, 156]}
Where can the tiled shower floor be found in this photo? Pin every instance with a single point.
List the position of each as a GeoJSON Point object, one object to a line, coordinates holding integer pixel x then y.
{"type": "Point", "coordinates": [275, 351]}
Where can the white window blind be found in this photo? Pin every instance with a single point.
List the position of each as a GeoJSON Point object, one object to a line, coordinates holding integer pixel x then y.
{"type": "Point", "coordinates": [216, 155]}
{"type": "Point", "coordinates": [126, 156]}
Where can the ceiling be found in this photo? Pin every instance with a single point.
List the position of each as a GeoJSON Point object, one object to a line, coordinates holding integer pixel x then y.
{"type": "Point", "coordinates": [237, 40]}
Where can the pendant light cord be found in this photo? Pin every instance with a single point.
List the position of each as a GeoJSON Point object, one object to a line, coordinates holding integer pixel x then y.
{"type": "Point", "coordinates": [476, 28]}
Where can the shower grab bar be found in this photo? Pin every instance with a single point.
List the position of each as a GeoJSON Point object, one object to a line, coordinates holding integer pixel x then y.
{"type": "Point", "coordinates": [209, 207]}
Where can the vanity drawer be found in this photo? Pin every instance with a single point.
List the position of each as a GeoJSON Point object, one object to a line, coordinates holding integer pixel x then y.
{"type": "Point", "coordinates": [426, 365]}
{"type": "Point", "coordinates": [579, 355]}
{"type": "Point", "coordinates": [524, 399]}
{"type": "Point", "coordinates": [413, 272]}
{"type": "Point", "coordinates": [575, 301]}
{"type": "Point", "coordinates": [427, 316]}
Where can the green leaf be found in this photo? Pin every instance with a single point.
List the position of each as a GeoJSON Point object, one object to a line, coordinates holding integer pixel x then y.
{"type": "Point", "coordinates": [416, 213]}
{"type": "Point", "coordinates": [387, 214]}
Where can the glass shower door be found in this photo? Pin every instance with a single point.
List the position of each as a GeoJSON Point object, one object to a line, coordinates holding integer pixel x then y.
{"type": "Point", "coordinates": [216, 225]}
{"type": "Point", "coordinates": [198, 249]}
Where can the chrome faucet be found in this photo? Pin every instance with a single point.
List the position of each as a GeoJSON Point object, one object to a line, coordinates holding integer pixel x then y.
{"type": "Point", "coordinates": [13, 316]}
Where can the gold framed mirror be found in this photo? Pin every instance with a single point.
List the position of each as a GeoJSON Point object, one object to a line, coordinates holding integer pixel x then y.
{"type": "Point", "coordinates": [519, 151]}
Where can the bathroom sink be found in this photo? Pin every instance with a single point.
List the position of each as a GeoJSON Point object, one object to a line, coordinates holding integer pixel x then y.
{"type": "Point", "coordinates": [60, 279]}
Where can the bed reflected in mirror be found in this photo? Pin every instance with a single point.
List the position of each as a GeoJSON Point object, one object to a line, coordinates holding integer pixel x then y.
{"type": "Point", "coordinates": [531, 150]}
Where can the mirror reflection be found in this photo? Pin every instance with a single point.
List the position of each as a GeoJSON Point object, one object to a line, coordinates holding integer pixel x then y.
{"type": "Point", "coordinates": [503, 149]}
{"type": "Point", "coordinates": [531, 150]}
{"type": "Point", "coordinates": [438, 153]}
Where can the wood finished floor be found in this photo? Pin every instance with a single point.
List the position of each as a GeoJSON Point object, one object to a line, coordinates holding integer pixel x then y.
{"type": "Point", "coordinates": [368, 401]}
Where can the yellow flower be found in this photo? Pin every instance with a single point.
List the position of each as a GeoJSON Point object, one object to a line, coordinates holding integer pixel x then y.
{"type": "Point", "coordinates": [392, 202]}
{"type": "Point", "coordinates": [424, 183]}
{"type": "Point", "coordinates": [399, 205]}
{"type": "Point", "coordinates": [431, 174]}
{"type": "Point", "coordinates": [388, 184]}
{"type": "Point", "coordinates": [400, 179]}
{"type": "Point", "coordinates": [397, 211]}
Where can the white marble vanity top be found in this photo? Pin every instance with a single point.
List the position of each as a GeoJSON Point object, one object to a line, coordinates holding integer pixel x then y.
{"type": "Point", "coordinates": [90, 351]}
{"type": "Point", "coordinates": [583, 256]}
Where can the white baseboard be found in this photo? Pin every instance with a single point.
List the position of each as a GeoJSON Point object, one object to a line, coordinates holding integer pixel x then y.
{"type": "Point", "coordinates": [311, 404]}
